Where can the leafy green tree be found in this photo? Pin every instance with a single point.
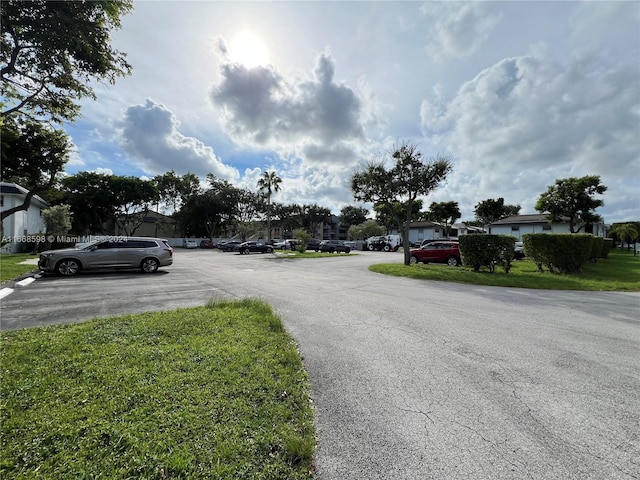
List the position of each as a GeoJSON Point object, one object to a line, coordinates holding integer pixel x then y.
{"type": "Point", "coordinates": [89, 189]}
{"type": "Point", "coordinates": [302, 237]}
{"type": "Point", "coordinates": [289, 216]}
{"type": "Point", "coordinates": [369, 228]}
{"type": "Point", "coordinates": [52, 51]}
{"type": "Point", "coordinates": [267, 185]}
{"type": "Point", "coordinates": [33, 155]}
{"type": "Point", "coordinates": [313, 216]}
{"type": "Point", "coordinates": [409, 178]}
{"type": "Point", "coordinates": [212, 211]}
{"type": "Point", "coordinates": [99, 200]}
{"type": "Point", "coordinates": [174, 190]}
{"type": "Point", "coordinates": [573, 199]}
{"type": "Point", "coordinates": [444, 213]}
{"type": "Point", "coordinates": [351, 215]}
{"type": "Point", "coordinates": [490, 210]}
{"type": "Point", "coordinates": [135, 197]}
{"type": "Point", "coordinates": [390, 214]}
{"type": "Point", "coordinates": [626, 232]}
{"type": "Point", "coordinates": [57, 219]}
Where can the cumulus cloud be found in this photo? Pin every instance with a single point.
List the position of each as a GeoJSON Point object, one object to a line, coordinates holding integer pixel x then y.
{"type": "Point", "coordinates": [319, 119]}
{"type": "Point", "coordinates": [457, 29]}
{"type": "Point", "coordinates": [526, 121]}
{"type": "Point", "coordinates": [149, 133]}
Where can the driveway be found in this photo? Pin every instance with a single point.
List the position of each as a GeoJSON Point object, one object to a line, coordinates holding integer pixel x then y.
{"type": "Point", "coordinates": [414, 379]}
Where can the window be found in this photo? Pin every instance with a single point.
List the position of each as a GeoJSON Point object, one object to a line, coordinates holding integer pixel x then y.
{"type": "Point", "coordinates": [546, 226]}
{"type": "Point", "coordinates": [515, 228]}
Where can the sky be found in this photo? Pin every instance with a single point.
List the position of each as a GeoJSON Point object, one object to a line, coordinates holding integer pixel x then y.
{"type": "Point", "coordinates": [517, 94]}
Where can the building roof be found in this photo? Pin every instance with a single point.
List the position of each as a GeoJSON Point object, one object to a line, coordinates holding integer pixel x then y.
{"type": "Point", "coordinates": [527, 219]}
{"type": "Point", "coordinates": [8, 188]}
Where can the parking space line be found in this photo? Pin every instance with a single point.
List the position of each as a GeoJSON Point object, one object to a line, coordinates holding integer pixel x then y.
{"type": "Point", "coordinates": [5, 291]}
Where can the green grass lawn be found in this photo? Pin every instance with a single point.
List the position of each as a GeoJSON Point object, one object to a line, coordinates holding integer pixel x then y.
{"type": "Point", "coordinates": [10, 267]}
{"type": "Point", "coordinates": [619, 272]}
{"type": "Point", "coordinates": [212, 392]}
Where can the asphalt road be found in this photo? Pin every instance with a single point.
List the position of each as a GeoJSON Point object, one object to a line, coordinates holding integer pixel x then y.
{"type": "Point", "coordinates": [414, 379]}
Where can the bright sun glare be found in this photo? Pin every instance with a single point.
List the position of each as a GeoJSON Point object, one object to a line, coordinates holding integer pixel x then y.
{"type": "Point", "coordinates": [248, 49]}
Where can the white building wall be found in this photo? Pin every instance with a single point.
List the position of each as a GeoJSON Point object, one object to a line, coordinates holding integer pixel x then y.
{"type": "Point", "coordinates": [523, 229]}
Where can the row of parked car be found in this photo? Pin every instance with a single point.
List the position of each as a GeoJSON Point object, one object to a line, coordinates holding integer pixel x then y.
{"type": "Point", "coordinates": [446, 251]}
{"type": "Point", "coordinates": [330, 246]}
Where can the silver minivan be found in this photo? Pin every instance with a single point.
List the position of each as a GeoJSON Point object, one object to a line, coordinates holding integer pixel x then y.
{"type": "Point", "coordinates": [144, 253]}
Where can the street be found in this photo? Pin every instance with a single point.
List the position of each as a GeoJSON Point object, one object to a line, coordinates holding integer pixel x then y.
{"type": "Point", "coordinates": [413, 379]}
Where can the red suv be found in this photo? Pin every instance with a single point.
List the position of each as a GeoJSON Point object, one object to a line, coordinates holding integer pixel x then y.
{"type": "Point", "coordinates": [437, 252]}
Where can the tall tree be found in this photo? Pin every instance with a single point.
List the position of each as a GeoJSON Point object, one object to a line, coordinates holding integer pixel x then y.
{"type": "Point", "coordinates": [89, 189]}
{"type": "Point", "coordinates": [409, 177]}
{"type": "Point", "coordinates": [490, 210]}
{"type": "Point", "coordinates": [267, 185]}
{"type": "Point", "coordinates": [626, 232]}
{"type": "Point", "coordinates": [33, 154]}
{"type": "Point", "coordinates": [135, 197]}
{"type": "Point", "coordinates": [289, 216]}
{"type": "Point", "coordinates": [97, 200]}
{"type": "Point", "coordinates": [57, 219]}
{"type": "Point", "coordinates": [313, 216]}
{"type": "Point", "coordinates": [351, 215]}
{"type": "Point", "coordinates": [212, 211]}
{"type": "Point", "coordinates": [174, 190]}
{"type": "Point", "coordinates": [391, 215]}
{"type": "Point", "coordinates": [573, 198]}
{"type": "Point", "coordinates": [52, 51]}
{"type": "Point", "coordinates": [444, 213]}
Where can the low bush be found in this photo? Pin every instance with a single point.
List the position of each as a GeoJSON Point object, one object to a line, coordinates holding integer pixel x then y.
{"type": "Point", "coordinates": [487, 251]}
{"type": "Point", "coordinates": [559, 253]}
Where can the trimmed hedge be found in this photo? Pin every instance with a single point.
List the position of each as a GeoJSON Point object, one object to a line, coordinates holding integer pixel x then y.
{"type": "Point", "coordinates": [487, 251]}
{"type": "Point", "coordinates": [562, 253]}
{"type": "Point", "coordinates": [607, 245]}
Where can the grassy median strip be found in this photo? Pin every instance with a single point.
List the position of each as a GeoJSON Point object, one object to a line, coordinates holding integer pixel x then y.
{"type": "Point", "coordinates": [10, 266]}
{"type": "Point", "coordinates": [619, 272]}
{"type": "Point", "coordinates": [211, 392]}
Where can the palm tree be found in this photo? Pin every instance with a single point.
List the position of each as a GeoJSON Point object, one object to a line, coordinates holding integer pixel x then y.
{"type": "Point", "coordinates": [269, 183]}
{"type": "Point", "coordinates": [626, 232]}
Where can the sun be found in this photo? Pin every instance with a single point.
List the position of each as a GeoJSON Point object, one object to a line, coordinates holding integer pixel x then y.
{"type": "Point", "coordinates": [248, 49]}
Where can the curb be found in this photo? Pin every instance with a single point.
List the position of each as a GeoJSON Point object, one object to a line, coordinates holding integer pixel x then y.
{"type": "Point", "coordinates": [6, 288]}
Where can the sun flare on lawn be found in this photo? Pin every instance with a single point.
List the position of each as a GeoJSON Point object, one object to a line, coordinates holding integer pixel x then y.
{"type": "Point", "coordinates": [248, 49]}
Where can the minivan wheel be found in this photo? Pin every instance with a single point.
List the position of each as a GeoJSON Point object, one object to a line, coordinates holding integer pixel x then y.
{"type": "Point", "coordinates": [453, 262]}
{"type": "Point", "coordinates": [149, 265]}
{"type": "Point", "coordinates": [68, 267]}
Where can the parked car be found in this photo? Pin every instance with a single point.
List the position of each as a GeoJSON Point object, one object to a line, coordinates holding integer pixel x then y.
{"type": "Point", "coordinates": [333, 246]}
{"type": "Point", "coordinates": [388, 243]}
{"type": "Point", "coordinates": [147, 254]}
{"type": "Point", "coordinates": [229, 246]}
{"type": "Point", "coordinates": [437, 252]}
{"type": "Point", "coordinates": [189, 243]}
{"type": "Point", "coordinates": [207, 244]}
{"type": "Point", "coordinates": [250, 247]}
{"type": "Point", "coordinates": [518, 252]}
{"type": "Point", "coordinates": [313, 244]}
{"type": "Point", "coordinates": [289, 244]}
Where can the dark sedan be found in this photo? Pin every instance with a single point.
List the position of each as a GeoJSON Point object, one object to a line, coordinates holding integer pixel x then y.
{"type": "Point", "coordinates": [333, 246]}
{"type": "Point", "coordinates": [231, 246]}
{"type": "Point", "coordinates": [257, 247]}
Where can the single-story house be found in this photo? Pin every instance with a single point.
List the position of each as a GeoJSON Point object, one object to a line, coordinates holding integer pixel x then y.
{"type": "Point", "coordinates": [427, 230]}
{"type": "Point", "coordinates": [21, 223]}
{"type": "Point", "coordinates": [518, 225]}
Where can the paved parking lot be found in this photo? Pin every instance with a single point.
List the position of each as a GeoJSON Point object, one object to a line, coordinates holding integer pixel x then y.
{"type": "Point", "coordinates": [415, 379]}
